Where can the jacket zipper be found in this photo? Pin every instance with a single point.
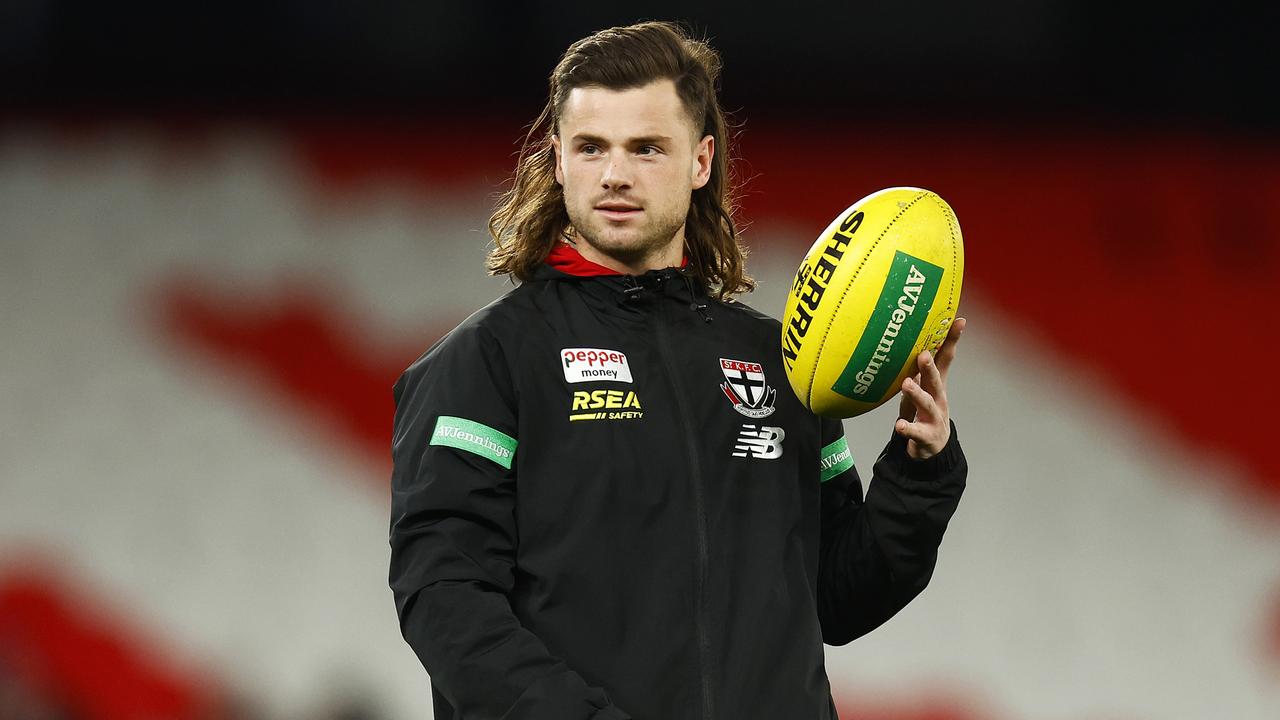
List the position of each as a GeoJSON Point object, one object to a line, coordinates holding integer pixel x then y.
{"type": "Point", "coordinates": [700, 610]}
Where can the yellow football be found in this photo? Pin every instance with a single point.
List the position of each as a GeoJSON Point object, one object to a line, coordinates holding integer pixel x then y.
{"type": "Point", "coordinates": [880, 284]}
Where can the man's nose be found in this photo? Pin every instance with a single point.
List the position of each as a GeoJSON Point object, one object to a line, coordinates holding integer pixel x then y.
{"type": "Point", "coordinates": [617, 174]}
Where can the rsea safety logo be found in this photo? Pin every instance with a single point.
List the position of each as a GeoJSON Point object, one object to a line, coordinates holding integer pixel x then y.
{"type": "Point", "coordinates": [764, 443]}
{"type": "Point", "coordinates": [594, 364]}
{"type": "Point", "coordinates": [605, 405]}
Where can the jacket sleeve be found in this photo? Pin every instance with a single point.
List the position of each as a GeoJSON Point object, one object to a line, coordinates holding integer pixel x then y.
{"type": "Point", "coordinates": [453, 540]}
{"type": "Point", "coordinates": [878, 554]}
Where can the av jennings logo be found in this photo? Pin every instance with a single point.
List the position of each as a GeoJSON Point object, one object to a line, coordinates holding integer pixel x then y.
{"type": "Point", "coordinates": [763, 443]}
{"type": "Point", "coordinates": [746, 388]}
{"type": "Point", "coordinates": [904, 304]}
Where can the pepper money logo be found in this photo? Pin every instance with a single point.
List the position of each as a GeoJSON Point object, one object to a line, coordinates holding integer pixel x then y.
{"type": "Point", "coordinates": [746, 388]}
{"type": "Point", "coordinates": [592, 364]}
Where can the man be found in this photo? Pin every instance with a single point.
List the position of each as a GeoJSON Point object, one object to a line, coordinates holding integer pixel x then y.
{"type": "Point", "coordinates": [606, 502]}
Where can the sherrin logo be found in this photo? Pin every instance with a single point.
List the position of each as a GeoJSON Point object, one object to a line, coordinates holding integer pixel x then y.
{"type": "Point", "coordinates": [593, 364]}
{"type": "Point", "coordinates": [811, 284]}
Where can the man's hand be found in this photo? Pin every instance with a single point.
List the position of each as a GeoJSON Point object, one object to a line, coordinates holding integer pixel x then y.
{"type": "Point", "coordinates": [923, 416]}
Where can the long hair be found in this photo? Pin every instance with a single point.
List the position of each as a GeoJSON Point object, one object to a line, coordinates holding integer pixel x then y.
{"type": "Point", "coordinates": [531, 217]}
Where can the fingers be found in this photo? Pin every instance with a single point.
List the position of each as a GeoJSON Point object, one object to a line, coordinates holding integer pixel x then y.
{"type": "Point", "coordinates": [906, 408]}
{"type": "Point", "coordinates": [930, 376]}
{"type": "Point", "coordinates": [929, 433]}
{"type": "Point", "coordinates": [924, 439]}
{"type": "Point", "coordinates": [933, 373]}
{"type": "Point", "coordinates": [925, 404]}
{"type": "Point", "coordinates": [924, 434]}
{"type": "Point", "coordinates": [947, 353]}
{"type": "Point", "coordinates": [924, 398]}
{"type": "Point", "coordinates": [912, 430]}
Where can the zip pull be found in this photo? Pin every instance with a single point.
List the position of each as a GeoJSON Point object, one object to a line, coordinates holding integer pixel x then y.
{"type": "Point", "coordinates": [701, 309]}
{"type": "Point", "coordinates": [694, 305]}
{"type": "Point", "coordinates": [631, 289]}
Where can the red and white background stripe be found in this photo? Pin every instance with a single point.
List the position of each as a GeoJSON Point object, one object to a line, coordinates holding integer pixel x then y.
{"type": "Point", "coordinates": [202, 326]}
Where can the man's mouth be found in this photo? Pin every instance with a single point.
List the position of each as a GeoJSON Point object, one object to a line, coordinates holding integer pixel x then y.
{"type": "Point", "coordinates": [618, 211]}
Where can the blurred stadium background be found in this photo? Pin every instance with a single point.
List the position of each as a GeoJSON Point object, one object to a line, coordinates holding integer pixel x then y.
{"type": "Point", "coordinates": [225, 229]}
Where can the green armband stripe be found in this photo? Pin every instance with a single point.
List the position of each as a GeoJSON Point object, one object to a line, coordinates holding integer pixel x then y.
{"type": "Point", "coordinates": [836, 458]}
{"type": "Point", "coordinates": [475, 438]}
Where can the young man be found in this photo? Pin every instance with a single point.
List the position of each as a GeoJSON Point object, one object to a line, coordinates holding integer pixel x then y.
{"type": "Point", "coordinates": [606, 501]}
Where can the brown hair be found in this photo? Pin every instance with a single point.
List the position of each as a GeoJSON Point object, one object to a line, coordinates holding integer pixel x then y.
{"type": "Point", "coordinates": [531, 216]}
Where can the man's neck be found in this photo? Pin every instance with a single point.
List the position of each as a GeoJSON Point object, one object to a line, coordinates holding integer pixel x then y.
{"type": "Point", "coordinates": [669, 256]}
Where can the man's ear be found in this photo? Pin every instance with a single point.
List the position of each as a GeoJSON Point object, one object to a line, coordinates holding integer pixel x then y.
{"type": "Point", "coordinates": [555, 151]}
{"type": "Point", "coordinates": [702, 161]}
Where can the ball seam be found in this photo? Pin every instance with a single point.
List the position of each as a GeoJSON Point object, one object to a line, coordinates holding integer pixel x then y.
{"type": "Point", "coordinates": [952, 224]}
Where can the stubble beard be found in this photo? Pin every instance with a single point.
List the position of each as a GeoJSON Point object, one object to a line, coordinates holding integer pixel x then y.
{"type": "Point", "coordinates": [632, 250]}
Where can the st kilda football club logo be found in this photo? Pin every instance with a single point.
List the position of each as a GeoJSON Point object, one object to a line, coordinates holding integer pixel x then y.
{"type": "Point", "coordinates": [746, 388]}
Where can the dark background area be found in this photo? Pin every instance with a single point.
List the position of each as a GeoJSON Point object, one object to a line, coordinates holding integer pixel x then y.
{"type": "Point", "coordinates": [1047, 62]}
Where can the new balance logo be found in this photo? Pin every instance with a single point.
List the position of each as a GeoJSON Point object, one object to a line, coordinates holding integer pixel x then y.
{"type": "Point", "coordinates": [764, 442]}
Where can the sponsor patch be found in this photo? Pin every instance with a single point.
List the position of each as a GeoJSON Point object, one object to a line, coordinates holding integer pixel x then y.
{"type": "Point", "coordinates": [475, 438]}
{"type": "Point", "coordinates": [764, 442]}
{"type": "Point", "coordinates": [594, 364]}
{"type": "Point", "coordinates": [605, 405]}
{"type": "Point", "coordinates": [836, 458]}
{"type": "Point", "coordinates": [746, 388]}
{"type": "Point", "coordinates": [890, 335]}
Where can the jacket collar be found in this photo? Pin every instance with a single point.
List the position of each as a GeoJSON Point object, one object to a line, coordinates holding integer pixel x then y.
{"type": "Point", "coordinates": [566, 258]}
{"type": "Point", "coordinates": [564, 262]}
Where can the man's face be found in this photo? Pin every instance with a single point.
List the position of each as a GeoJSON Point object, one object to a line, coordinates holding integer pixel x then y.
{"type": "Point", "coordinates": [629, 161]}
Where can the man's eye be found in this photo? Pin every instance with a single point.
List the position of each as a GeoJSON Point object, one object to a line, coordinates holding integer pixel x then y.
{"type": "Point", "coordinates": [651, 150]}
{"type": "Point", "coordinates": [590, 149]}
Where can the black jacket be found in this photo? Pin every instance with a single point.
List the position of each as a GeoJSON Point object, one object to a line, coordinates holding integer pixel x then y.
{"type": "Point", "coordinates": [607, 503]}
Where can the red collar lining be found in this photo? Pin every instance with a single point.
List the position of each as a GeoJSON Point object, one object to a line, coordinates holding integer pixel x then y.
{"type": "Point", "coordinates": [566, 258]}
